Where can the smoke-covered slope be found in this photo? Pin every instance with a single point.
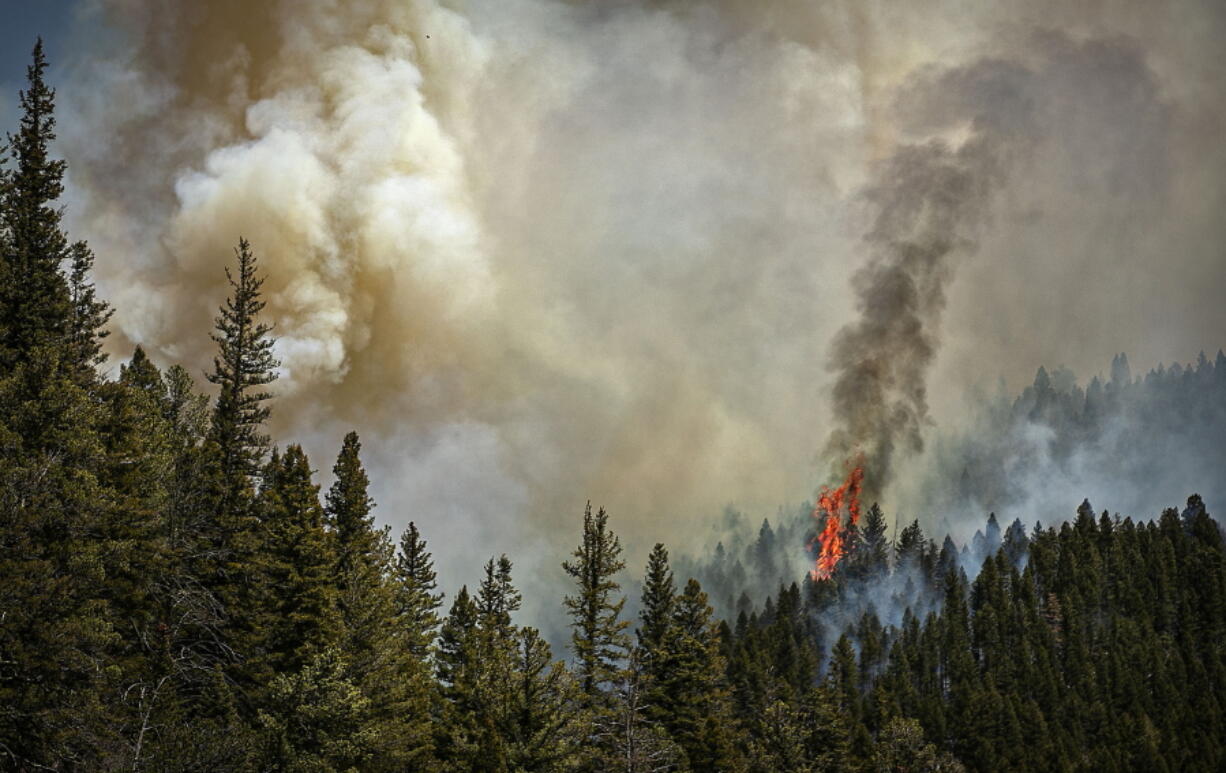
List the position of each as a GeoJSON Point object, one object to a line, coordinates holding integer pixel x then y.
{"type": "Point", "coordinates": [1132, 445]}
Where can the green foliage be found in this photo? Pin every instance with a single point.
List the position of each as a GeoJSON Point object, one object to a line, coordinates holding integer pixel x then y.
{"type": "Point", "coordinates": [317, 720]}
{"type": "Point", "coordinates": [901, 748]}
{"type": "Point", "coordinates": [243, 366]}
{"type": "Point", "coordinates": [363, 555]}
{"type": "Point", "coordinates": [35, 304]}
{"type": "Point", "coordinates": [692, 700]}
{"type": "Point", "coordinates": [656, 614]}
{"type": "Point", "coordinates": [298, 592]}
{"type": "Point", "coordinates": [598, 637]}
{"type": "Point", "coordinates": [58, 633]}
{"type": "Point", "coordinates": [417, 599]}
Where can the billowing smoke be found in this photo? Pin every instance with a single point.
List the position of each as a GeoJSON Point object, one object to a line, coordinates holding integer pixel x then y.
{"type": "Point", "coordinates": [538, 251]}
{"type": "Point", "coordinates": [931, 198]}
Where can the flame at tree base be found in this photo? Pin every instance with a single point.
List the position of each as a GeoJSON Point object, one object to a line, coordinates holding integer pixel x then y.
{"type": "Point", "coordinates": [831, 503]}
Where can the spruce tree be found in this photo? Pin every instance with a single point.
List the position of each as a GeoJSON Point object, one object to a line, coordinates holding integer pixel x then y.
{"type": "Point", "coordinates": [243, 368]}
{"type": "Point", "coordinates": [57, 635]}
{"type": "Point", "coordinates": [417, 599]}
{"type": "Point", "coordinates": [495, 714]}
{"type": "Point", "coordinates": [35, 305]}
{"type": "Point", "coordinates": [229, 534]}
{"type": "Point", "coordinates": [598, 637]}
{"type": "Point", "coordinates": [394, 680]}
{"type": "Point", "coordinates": [187, 412]}
{"type": "Point", "coordinates": [363, 556]}
{"type": "Point", "coordinates": [872, 555]}
{"type": "Point", "coordinates": [318, 720]}
{"type": "Point", "coordinates": [57, 638]}
{"type": "Point", "coordinates": [695, 704]}
{"type": "Point", "coordinates": [497, 597]}
{"type": "Point", "coordinates": [656, 614]}
{"type": "Point", "coordinates": [138, 474]}
{"type": "Point", "coordinates": [296, 561]}
{"type": "Point", "coordinates": [459, 672]}
{"type": "Point", "coordinates": [542, 728]}
{"type": "Point", "coordinates": [655, 632]}
{"type": "Point", "coordinates": [87, 319]}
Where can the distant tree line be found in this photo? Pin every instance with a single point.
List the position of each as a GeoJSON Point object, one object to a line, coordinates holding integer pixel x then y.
{"type": "Point", "coordinates": [176, 595]}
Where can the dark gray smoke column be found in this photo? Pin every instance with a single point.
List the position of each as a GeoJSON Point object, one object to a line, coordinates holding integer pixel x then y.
{"type": "Point", "coordinates": [929, 200]}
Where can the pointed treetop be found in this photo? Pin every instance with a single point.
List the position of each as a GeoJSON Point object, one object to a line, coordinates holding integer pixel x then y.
{"type": "Point", "coordinates": [348, 508]}
{"type": "Point", "coordinates": [35, 303]}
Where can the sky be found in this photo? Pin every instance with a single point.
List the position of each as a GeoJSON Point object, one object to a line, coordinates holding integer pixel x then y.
{"type": "Point", "coordinates": [665, 255]}
{"type": "Point", "coordinates": [25, 20]}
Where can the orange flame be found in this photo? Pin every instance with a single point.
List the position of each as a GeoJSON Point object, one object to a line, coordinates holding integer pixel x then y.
{"type": "Point", "coordinates": [831, 503]}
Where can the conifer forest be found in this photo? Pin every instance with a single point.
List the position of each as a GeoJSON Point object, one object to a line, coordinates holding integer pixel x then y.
{"type": "Point", "coordinates": [183, 589]}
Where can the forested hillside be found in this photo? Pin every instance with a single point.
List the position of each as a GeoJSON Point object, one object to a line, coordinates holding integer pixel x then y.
{"type": "Point", "coordinates": [1138, 440]}
{"type": "Point", "coordinates": [178, 594]}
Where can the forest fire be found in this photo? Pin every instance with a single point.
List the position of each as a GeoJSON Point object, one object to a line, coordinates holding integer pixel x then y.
{"type": "Point", "coordinates": [831, 504]}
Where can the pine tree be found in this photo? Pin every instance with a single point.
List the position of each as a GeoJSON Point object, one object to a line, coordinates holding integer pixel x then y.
{"type": "Point", "coordinates": [296, 560]}
{"type": "Point", "coordinates": [365, 599]}
{"type": "Point", "coordinates": [87, 319]}
{"type": "Point", "coordinates": [35, 305]}
{"type": "Point", "coordinates": [318, 720]}
{"type": "Point", "coordinates": [244, 365]}
{"type": "Point", "coordinates": [695, 706]}
{"type": "Point", "coordinates": [417, 601]}
{"type": "Point", "coordinates": [57, 638]}
{"type": "Point", "coordinates": [542, 734]}
{"type": "Point", "coordinates": [656, 614]}
{"type": "Point", "coordinates": [229, 534]}
{"type": "Point", "coordinates": [459, 672]}
{"type": "Point", "coordinates": [598, 637]}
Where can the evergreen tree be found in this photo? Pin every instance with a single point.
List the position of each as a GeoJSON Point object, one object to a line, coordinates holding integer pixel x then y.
{"type": "Point", "coordinates": [458, 663]}
{"type": "Point", "coordinates": [318, 720]}
{"type": "Point", "coordinates": [35, 306]}
{"type": "Point", "coordinates": [243, 367]}
{"type": "Point", "coordinates": [497, 598]}
{"type": "Point", "coordinates": [598, 637]}
{"type": "Point", "coordinates": [137, 473]}
{"type": "Point", "coordinates": [57, 635]}
{"type": "Point", "coordinates": [417, 601]}
{"type": "Point", "coordinates": [365, 597]}
{"type": "Point", "coordinates": [58, 646]}
{"type": "Point", "coordinates": [696, 709]}
{"type": "Point", "coordinates": [394, 679]}
{"type": "Point", "coordinates": [655, 617]}
{"type": "Point", "coordinates": [87, 318]}
{"type": "Point", "coordinates": [874, 558]}
{"type": "Point", "coordinates": [626, 739]}
{"type": "Point", "coordinates": [543, 733]}
{"type": "Point", "coordinates": [229, 536]}
{"type": "Point", "coordinates": [902, 749]}
{"type": "Point", "coordinates": [297, 589]}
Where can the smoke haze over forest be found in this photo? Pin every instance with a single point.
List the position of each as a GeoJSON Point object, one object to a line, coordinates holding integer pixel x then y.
{"type": "Point", "coordinates": [539, 252]}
